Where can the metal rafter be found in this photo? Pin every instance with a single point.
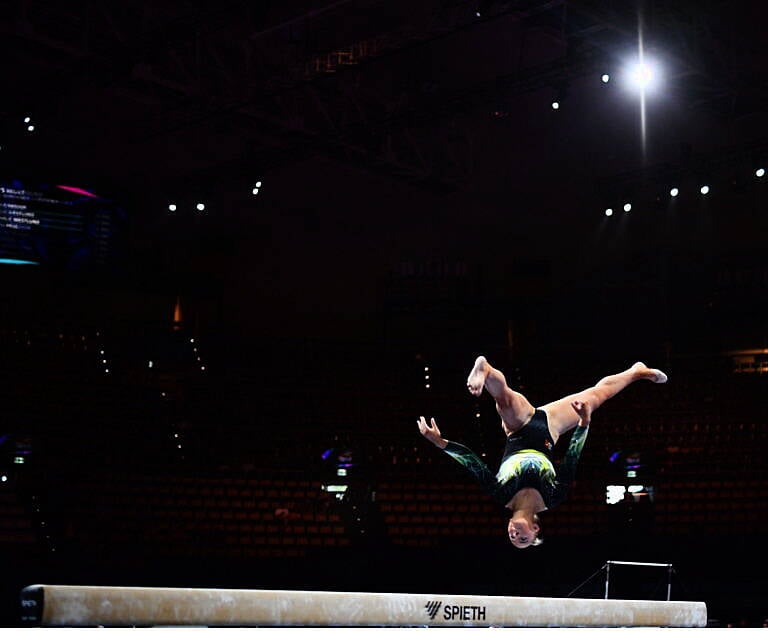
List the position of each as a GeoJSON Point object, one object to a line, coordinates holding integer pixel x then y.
{"type": "Point", "coordinates": [161, 55]}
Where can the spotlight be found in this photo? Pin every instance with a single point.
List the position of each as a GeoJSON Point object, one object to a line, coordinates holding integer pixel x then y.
{"type": "Point", "coordinates": [642, 75]}
{"type": "Point", "coordinates": [27, 119]}
{"type": "Point", "coordinates": [256, 188]}
{"type": "Point", "coordinates": [559, 94]}
{"type": "Point", "coordinates": [605, 78]}
{"type": "Point", "coordinates": [760, 172]}
{"type": "Point", "coordinates": [674, 192]}
{"type": "Point", "coordinates": [608, 212]}
{"type": "Point", "coordinates": [627, 207]}
{"type": "Point", "coordinates": [30, 128]}
{"type": "Point", "coordinates": [200, 207]}
{"type": "Point", "coordinates": [172, 207]}
{"type": "Point", "coordinates": [483, 7]}
{"type": "Point", "coordinates": [704, 189]}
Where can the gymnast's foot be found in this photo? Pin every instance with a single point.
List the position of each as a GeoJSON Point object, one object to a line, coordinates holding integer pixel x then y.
{"type": "Point", "coordinates": [476, 379]}
{"type": "Point", "coordinates": [651, 374]}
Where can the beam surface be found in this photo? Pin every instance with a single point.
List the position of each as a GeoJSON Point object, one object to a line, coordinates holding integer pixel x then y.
{"type": "Point", "coordinates": [73, 605]}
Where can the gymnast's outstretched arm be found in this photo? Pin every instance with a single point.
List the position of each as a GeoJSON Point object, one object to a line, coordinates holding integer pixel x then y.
{"type": "Point", "coordinates": [464, 456]}
{"type": "Point", "coordinates": [431, 432]}
{"type": "Point", "coordinates": [566, 472]}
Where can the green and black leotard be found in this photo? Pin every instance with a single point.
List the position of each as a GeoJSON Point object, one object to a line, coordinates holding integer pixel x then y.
{"type": "Point", "coordinates": [526, 463]}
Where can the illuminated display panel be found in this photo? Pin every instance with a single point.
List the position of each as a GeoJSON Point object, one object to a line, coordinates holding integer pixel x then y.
{"type": "Point", "coordinates": [59, 226]}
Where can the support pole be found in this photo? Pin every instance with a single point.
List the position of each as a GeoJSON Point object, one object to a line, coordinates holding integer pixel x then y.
{"type": "Point", "coordinates": [608, 565]}
{"type": "Point", "coordinates": [669, 582]}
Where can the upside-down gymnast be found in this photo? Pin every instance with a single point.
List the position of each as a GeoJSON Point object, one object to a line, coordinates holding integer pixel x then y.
{"type": "Point", "coordinates": [527, 482]}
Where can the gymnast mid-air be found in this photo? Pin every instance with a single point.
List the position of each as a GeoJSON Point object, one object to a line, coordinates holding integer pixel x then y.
{"type": "Point", "coordinates": [528, 482]}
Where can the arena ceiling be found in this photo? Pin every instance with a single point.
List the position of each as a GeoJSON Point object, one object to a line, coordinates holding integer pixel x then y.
{"type": "Point", "coordinates": [384, 131]}
{"type": "Point", "coordinates": [428, 92]}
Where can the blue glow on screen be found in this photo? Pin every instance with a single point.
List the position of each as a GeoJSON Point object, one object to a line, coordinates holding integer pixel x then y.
{"type": "Point", "coordinates": [17, 262]}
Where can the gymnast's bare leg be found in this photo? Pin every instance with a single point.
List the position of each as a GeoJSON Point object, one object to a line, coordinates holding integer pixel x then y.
{"type": "Point", "coordinates": [562, 415]}
{"type": "Point", "coordinates": [513, 408]}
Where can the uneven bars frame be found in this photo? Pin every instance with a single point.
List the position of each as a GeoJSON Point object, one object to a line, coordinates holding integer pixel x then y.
{"type": "Point", "coordinates": [608, 565]}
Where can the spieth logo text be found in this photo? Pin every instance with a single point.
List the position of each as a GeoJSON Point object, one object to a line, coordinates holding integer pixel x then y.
{"type": "Point", "coordinates": [454, 612]}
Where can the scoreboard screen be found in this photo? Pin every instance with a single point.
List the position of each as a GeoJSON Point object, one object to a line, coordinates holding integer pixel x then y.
{"type": "Point", "coordinates": [57, 225]}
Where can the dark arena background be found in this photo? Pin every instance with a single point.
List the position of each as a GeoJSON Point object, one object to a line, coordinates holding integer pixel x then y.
{"type": "Point", "coordinates": [245, 245]}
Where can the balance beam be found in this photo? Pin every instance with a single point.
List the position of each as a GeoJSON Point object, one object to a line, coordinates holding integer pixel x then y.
{"type": "Point", "coordinates": [72, 605]}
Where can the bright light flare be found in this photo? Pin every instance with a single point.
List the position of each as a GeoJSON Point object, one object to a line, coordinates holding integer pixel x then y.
{"type": "Point", "coordinates": [642, 76]}
{"type": "Point", "coordinates": [614, 493]}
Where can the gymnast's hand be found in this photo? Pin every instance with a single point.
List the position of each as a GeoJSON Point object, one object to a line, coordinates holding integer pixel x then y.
{"type": "Point", "coordinates": [584, 412]}
{"type": "Point", "coordinates": [431, 432]}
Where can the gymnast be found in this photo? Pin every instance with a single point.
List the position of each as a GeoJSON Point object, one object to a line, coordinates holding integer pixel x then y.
{"type": "Point", "coordinates": [527, 482]}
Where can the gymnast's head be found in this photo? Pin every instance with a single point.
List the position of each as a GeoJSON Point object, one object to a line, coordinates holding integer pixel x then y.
{"type": "Point", "coordinates": [524, 532]}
